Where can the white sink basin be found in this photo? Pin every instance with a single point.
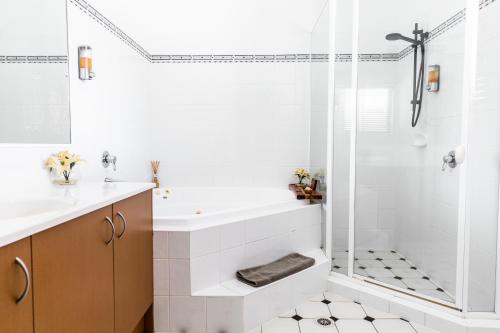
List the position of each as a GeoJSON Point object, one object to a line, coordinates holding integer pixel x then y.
{"type": "Point", "coordinates": [28, 207]}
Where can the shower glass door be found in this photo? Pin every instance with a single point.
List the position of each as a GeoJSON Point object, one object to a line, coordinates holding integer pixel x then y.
{"type": "Point", "coordinates": [405, 205]}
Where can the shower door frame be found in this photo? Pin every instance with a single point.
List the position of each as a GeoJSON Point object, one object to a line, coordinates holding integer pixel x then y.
{"type": "Point", "coordinates": [463, 223]}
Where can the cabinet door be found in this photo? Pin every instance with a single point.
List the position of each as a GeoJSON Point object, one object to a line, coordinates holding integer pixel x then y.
{"type": "Point", "coordinates": [16, 302]}
{"type": "Point", "coordinates": [73, 276]}
{"type": "Point", "coordinates": [133, 260]}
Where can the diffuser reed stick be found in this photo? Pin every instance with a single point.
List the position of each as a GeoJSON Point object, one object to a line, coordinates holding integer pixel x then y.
{"type": "Point", "coordinates": [155, 166]}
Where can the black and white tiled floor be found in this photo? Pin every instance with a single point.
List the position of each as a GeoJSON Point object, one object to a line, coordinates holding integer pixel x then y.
{"type": "Point", "coordinates": [389, 266]}
{"type": "Point", "coordinates": [330, 313]}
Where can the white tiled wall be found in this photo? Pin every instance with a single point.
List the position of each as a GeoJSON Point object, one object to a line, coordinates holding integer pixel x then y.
{"type": "Point", "coordinates": [484, 163]}
{"type": "Point", "coordinates": [341, 148]}
{"type": "Point", "coordinates": [224, 124]}
{"type": "Point", "coordinates": [319, 95]}
{"type": "Point", "coordinates": [427, 198]}
{"type": "Point", "coordinates": [28, 113]}
{"type": "Point", "coordinates": [222, 27]}
{"type": "Point", "coordinates": [375, 155]}
{"type": "Point", "coordinates": [33, 28]}
{"type": "Point", "coordinates": [109, 113]}
{"type": "Point", "coordinates": [230, 124]}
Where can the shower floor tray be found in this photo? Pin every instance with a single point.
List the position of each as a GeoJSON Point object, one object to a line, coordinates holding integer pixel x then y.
{"type": "Point", "coordinates": [390, 267]}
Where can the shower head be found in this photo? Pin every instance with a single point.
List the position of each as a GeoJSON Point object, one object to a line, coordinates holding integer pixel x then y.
{"type": "Point", "coordinates": [398, 36]}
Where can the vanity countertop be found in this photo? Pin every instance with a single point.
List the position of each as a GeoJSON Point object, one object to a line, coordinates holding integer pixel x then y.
{"type": "Point", "coordinates": [78, 200]}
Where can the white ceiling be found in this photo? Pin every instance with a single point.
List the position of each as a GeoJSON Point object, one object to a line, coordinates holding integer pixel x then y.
{"type": "Point", "coordinates": [198, 26]}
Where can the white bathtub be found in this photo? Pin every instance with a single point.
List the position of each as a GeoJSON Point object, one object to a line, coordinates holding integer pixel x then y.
{"type": "Point", "coordinates": [191, 208]}
{"type": "Point", "coordinates": [236, 228]}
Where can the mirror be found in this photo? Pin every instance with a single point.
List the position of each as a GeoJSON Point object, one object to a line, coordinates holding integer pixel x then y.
{"type": "Point", "coordinates": [34, 81]}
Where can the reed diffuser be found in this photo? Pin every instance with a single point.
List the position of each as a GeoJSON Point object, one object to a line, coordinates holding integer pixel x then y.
{"type": "Point", "coordinates": [155, 166]}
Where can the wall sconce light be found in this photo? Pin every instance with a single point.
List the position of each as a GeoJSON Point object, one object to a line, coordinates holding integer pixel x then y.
{"type": "Point", "coordinates": [85, 63]}
{"type": "Point", "coordinates": [433, 78]}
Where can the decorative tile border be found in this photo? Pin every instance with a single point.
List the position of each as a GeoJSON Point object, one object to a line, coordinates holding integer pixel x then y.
{"type": "Point", "coordinates": [445, 26]}
{"type": "Point", "coordinates": [485, 3]}
{"type": "Point", "coordinates": [320, 57]}
{"type": "Point", "coordinates": [107, 24]}
{"type": "Point", "coordinates": [372, 57]}
{"type": "Point", "coordinates": [33, 59]}
{"type": "Point", "coordinates": [235, 58]}
{"type": "Point", "coordinates": [238, 58]}
{"type": "Point", "coordinates": [379, 57]}
{"type": "Point", "coordinates": [438, 31]}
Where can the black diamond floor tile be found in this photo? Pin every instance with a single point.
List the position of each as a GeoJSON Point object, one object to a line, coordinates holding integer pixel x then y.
{"type": "Point", "coordinates": [359, 269]}
{"type": "Point", "coordinates": [297, 318]}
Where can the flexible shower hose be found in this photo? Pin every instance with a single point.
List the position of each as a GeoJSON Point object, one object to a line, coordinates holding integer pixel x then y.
{"type": "Point", "coordinates": [418, 86]}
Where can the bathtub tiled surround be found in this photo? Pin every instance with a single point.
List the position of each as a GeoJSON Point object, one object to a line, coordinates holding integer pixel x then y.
{"type": "Point", "coordinates": [195, 270]}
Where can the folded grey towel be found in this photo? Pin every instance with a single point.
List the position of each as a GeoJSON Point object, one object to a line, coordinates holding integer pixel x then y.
{"type": "Point", "coordinates": [261, 275]}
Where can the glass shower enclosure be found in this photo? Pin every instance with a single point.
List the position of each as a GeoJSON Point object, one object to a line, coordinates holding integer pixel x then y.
{"type": "Point", "coordinates": [416, 148]}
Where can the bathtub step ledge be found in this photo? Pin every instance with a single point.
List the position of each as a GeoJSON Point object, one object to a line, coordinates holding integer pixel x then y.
{"type": "Point", "coordinates": [234, 287]}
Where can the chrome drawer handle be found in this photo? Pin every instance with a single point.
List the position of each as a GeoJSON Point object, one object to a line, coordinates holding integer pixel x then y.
{"type": "Point", "coordinates": [26, 272]}
{"type": "Point", "coordinates": [112, 229]}
{"type": "Point", "coordinates": [124, 224]}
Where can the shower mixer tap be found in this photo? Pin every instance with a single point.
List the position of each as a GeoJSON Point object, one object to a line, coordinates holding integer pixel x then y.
{"type": "Point", "coordinates": [449, 160]}
{"type": "Point", "coordinates": [453, 158]}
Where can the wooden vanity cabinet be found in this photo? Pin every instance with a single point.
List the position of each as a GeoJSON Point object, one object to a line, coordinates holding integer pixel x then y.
{"type": "Point", "coordinates": [16, 314]}
{"type": "Point", "coordinates": [133, 253]}
{"type": "Point", "coordinates": [73, 276]}
{"type": "Point", "coordinates": [95, 273]}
